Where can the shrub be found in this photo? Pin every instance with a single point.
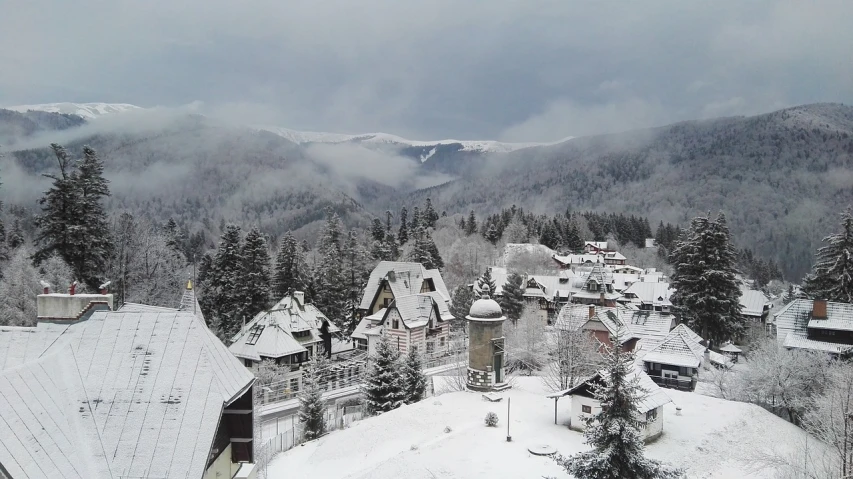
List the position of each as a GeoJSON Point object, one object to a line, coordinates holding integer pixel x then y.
{"type": "Point", "coordinates": [491, 419]}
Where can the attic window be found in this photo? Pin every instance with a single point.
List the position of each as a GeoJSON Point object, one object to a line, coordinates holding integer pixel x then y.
{"type": "Point", "coordinates": [254, 334]}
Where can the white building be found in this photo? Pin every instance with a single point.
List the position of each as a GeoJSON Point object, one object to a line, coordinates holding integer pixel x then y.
{"type": "Point", "coordinates": [650, 408]}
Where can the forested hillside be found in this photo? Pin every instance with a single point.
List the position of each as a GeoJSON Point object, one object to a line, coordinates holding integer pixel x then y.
{"type": "Point", "coordinates": [781, 178]}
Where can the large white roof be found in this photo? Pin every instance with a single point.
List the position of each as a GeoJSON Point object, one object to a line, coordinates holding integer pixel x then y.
{"type": "Point", "coordinates": [122, 394]}
{"type": "Point", "coordinates": [796, 317]}
{"type": "Point", "coordinates": [403, 278]}
{"type": "Point", "coordinates": [752, 302]}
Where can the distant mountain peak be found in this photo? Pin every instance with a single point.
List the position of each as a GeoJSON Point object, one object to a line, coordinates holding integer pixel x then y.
{"type": "Point", "coordinates": [86, 110]}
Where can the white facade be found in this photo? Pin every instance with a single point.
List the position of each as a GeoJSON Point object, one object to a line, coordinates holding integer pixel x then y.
{"type": "Point", "coordinates": [654, 425]}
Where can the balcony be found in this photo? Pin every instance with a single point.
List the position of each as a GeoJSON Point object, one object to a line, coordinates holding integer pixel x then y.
{"type": "Point", "coordinates": [680, 384]}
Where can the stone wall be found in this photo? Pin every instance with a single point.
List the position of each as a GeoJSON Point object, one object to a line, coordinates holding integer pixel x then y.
{"type": "Point", "coordinates": [480, 380]}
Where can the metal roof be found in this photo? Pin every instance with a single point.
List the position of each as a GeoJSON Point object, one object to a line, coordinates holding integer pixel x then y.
{"type": "Point", "coordinates": [405, 279]}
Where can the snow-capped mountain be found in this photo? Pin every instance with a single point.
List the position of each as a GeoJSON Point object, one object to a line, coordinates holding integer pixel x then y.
{"type": "Point", "coordinates": [484, 146]}
{"type": "Point", "coordinates": [86, 110]}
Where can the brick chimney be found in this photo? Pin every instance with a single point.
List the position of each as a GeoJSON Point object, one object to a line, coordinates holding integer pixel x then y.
{"type": "Point", "coordinates": [819, 309]}
{"type": "Point", "coordinates": [72, 288]}
{"type": "Point", "coordinates": [591, 310]}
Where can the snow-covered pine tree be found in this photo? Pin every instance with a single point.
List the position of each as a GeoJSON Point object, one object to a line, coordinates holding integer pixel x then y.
{"type": "Point", "coordinates": [388, 216]}
{"type": "Point", "coordinates": [330, 282]}
{"type": "Point", "coordinates": [614, 433]}
{"type": "Point", "coordinates": [312, 406]}
{"type": "Point", "coordinates": [18, 290]}
{"type": "Point", "coordinates": [288, 270]}
{"type": "Point", "coordinates": [512, 299]}
{"type": "Point", "coordinates": [16, 236]}
{"type": "Point", "coordinates": [255, 280]}
{"type": "Point", "coordinates": [391, 246]}
{"type": "Point", "coordinates": [414, 380]}
{"type": "Point", "coordinates": [417, 221]}
{"type": "Point", "coordinates": [705, 279]}
{"type": "Point", "coordinates": [383, 389]}
{"type": "Point", "coordinates": [430, 216]}
{"type": "Point", "coordinates": [424, 250]}
{"type": "Point", "coordinates": [377, 230]}
{"type": "Point", "coordinates": [832, 275]}
{"type": "Point", "coordinates": [356, 270]}
{"type": "Point", "coordinates": [91, 239]}
{"type": "Point", "coordinates": [58, 206]}
{"type": "Point", "coordinates": [4, 249]}
{"type": "Point", "coordinates": [461, 304]}
{"type": "Point", "coordinates": [174, 237]}
{"type": "Point", "coordinates": [492, 234]}
{"type": "Point", "coordinates": [221, 301]}
{"type": "Point", "coordinates": [403, 234]}
{"type": "Point", "coordinates": [486, 280]}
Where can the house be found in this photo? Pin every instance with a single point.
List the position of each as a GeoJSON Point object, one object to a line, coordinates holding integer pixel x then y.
{"type": "Point", "coordinates": [143, 392]}
{"type": "Point", "coordinates": [635, 328]}
{"type": "Point", "coordinates": [597, 287]}
{"type": "Point", "coordinates": [627, 269]}
{"type": "Point", "coordinates": [649, 409]}
{"type": "Point", "coordinates": [651, 243]}
{"type": "Point", "coordinates": [595, 247]}
{"type": "Point", "coordinates": [544, 293]}
{"type": "Point", "coordinates": [392, 279]}
{"type": "Point", "coordinates": [573, 261]}
{"type": "Point", "coordinates": [816, 325]}
{"type": "Point", "coordinates": [755, 306]}
{"type": "Point", "coordinates": [649, 296]}
{"type": "Point", "coordinates": [675, 361]}
{"type": "Point", "coordinates": [416, 321]}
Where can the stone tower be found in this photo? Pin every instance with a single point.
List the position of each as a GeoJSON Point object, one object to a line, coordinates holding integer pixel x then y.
{"type": "Point", "coordinates": [485, 345]}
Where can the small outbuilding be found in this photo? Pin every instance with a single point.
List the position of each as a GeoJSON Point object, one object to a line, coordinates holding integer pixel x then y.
{"type": "Point", "coordinates": [584, 403]}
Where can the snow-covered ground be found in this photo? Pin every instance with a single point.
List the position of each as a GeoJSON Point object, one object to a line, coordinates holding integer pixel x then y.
{"type": "Point", "coordinates": [85, 110]}
{"type": "Point", "coordinates": [712, 438]}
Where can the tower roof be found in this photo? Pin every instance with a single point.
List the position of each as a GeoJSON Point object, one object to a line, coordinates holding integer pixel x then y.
{"type": "Point", "coordinates": [486, 309]}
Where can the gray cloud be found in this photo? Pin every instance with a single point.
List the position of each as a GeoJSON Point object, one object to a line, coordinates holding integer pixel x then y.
{"type": "Point", "coordinates": [430, 69]}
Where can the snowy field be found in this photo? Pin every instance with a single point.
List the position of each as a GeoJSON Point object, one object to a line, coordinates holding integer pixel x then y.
{"type": "Point", "coordinates": [712, 438]}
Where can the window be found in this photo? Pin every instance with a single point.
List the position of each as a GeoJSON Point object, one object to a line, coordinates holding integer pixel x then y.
{"type": "Point", "coordinates": [386, 302]}
{"type": "Point", "coordinates": [247, 362]}
{"type": "Point", "coordinates": [430, 347]}
{"type": "Point", "coordinates": [254, 334]}
{"type": "Point", "coordinates": [441, 342]}
{"type": "Point", "coordinates": [586, 409]}
{"type": "Point", "coordinates": [652, 415]}
{"type": "Point", "coordinates": [294, 385]}
{"type": "Point", "coordinates": [395, 324]}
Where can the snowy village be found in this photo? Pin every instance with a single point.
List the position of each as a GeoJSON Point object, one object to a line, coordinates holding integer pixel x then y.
{"type": "Point", "coordinates": [426, 240]}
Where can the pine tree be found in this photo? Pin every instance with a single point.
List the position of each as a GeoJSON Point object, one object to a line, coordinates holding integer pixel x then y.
{"type": "Point", "coordinates": [91, 239]}
{"type": "Point", "coordinates": [424, 250]}
{"type": "Point", "coordinates": [388, 216]}
{"type": "Point", "coordinates": [255, 281]}
{"type": "Point", "coordinates": [492, 235]}
{"type": "Point", "coordinates": [461, 304]}
{"type": "Point", "coordinates": [383, 388]}
{"type": "Point", "coordinates": [221, 301]}
{"type": "Point", "coordinates": [4, 250]}
{"type": "Point", "coordinates": [486, 281]}
{"type": "Point", "coordinates": [417, 221]}
{"type": "Point", "coordinates": [289, 269]}
{"type": "Point", "coordinates": [403, 234]}
{"type": "Point", "coordinates": [18, 290]}
{"type": "Point", "coordinates": [512, 300]}
{"type": "Point", "coordinates": [377, 230]}
{"type": "Point", "coordinates": [312, 406]}
{"type": "Point", "coordinates": [414, 380]}
{"type": "Point", "coordinates": [330, 281]}
{"type": "Point", "coordinates": [614, 433]}
{"type": "Point", "coordinates": [471, 224]}
{"type": "Point", "coordinates": [16, 237]}
{"type": "Point", "coordinates": [356, 271]}
{"type": "Point", "coordinates": [705, 279]}
{"type": "Point", "coordinates": [58, 211]}
{"type": "Point", "coordinates": [832, 275]}
{"type": "Point", "coordinates": [430, 216]}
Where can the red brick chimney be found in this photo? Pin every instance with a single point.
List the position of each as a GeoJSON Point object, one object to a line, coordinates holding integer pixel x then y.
{"type": "Point", "coordinates": [591, 310]}
{"type": "Point", "coordinates": [72, 288]}
{"type": "Point", "coordinates": [819, 309]}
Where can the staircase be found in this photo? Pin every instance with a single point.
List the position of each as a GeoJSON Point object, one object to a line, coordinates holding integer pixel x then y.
{"type": "Point", "coordinates": [501, 387]}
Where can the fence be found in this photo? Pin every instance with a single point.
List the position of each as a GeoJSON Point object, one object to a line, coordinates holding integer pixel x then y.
{"type": "Point", "coordinates": [284, 440]}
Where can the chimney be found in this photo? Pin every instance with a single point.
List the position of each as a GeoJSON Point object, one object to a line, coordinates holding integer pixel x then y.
{"type": "Point", "coordinates": [601, 299]}
{"type": "Point", "coordinates": [46, 290]}
{"type": "Point", "coordinates": [706, 363]}
{"type": "Point", "coordinates": [591, 310]}
{"type": "Point", "coordinates": [72, 288]}
{"type": "Point", "coordinates": [819, 309]}
{"type": "Point", "coordinates": [300, 297]}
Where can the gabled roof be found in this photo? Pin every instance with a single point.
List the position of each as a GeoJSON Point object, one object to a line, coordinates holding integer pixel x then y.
{"type": "Point", "coordinates": [415, 309]}
{"type": "Point", "coordinates": [753, 302]}
{"type": "Point", "coordinates": [656, 293]}
{"type": "Point", "coordinates": [654, 398]}
{"type": "Point", "coordinates": [122, 394]}
{"type": "Point", "coordinates": [794, 320]}
{"type": "Point", "coordinates": [270, 333]}
{"type": "Point", "coordinates": [404, 279]}
{"type": "Point", "coordinates": [675, 350]}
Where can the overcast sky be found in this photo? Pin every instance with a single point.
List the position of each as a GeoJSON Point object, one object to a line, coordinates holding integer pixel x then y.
{"type": "Point", "coordinates": [465, 69]}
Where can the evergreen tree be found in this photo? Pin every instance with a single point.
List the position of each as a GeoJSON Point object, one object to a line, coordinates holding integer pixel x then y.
{"type": "Point", "coordinates": [16, 237]}
{"type": "Point", "coordinates": [486, 281]}
{"type": "Point", "coordinates": [221, 301]}
{"type": "Point", "coordinates": [573, 237]}
{"type": "Point", "coordinates": [312, 406]}
{"type": "Point", "coordinates": [58, 211]}
{"type": "Point", "coordinates": [471, 224]}
{"type": "Point", "coordinates": [460, 306]}
{"type": "Point", "coordinates": [417, 221]}
{"type": "Point", "coordinates": [492, 234]}
{"type": "Point", "coordinates": [512, 300]}
{"type": "Point", "coordinates": [91, 240]}
{"type": "Point", "coordinates": [403, 235]}
{"type": "Point", "coordinates": [18, 290]}
{"type": "Point", "coordinates": [424, 250]}
{"type": "Point", "coordinates": [614, 433]}
{"type": "Point", "coordinates": [430, 216]}
{"type": "Point", "coordinates": [331, 284]}
{"type": "Point", "coordinates": [388, 216]}
{"type": "Point", "coordinates": [377, 230]}
{"type": "Point", "coordinates": [255, 281]}
{"type": "Point", "coordinates": [383, 388]}
{"type": "Point", "coordinates": [174, 237]}
{"type": "Point", "coordinates": [790, 295]}
{"type": "Point", "coordinates": [356, 272]}
{"type": "Point", "coordinates": [707, 288]}
{"type": "Point", "coordinates": [414, 380]}
{"type": "Point", "coordinates": [4, 250]}
{"type": "Point", "coordinates": [832, 275]}
{"type": "Point", "coordinates": [289, 267]}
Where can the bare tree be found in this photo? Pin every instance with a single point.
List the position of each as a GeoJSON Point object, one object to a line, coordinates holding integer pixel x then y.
{"type": "Point", "coordinates": [526, 342]}
{"type": "Point", "coordinates": [830, 417]}
{"type": "Point", "coordinates": [574, 355]}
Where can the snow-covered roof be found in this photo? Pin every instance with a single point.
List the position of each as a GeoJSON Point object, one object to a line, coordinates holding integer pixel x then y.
{"type": "Point", "coordinates": [416, 309]}
{"type": "Point", "coordinates": [536, 286]}
{"type": "Point", "coordinates": [578, 259]}
{"type": "Point", "coordinates": [596, 244]}
{"type": "Point", "coordinates": [753, 302]}
{"type": "Point", "coordinates": [621, 281]}
{"type": "Point", "coordinates": [367, 327]}
{"type": "Point", "coordinates": [674, 350]}
{"type": "Point", "coordinates": [654, 397]}
{"type": "Point", "coordinates": [731, 348]}
{"type": "Point", "coordinates": [485, 309]}
{"type": "Point", "coordinates": [652, 293]}
{"type": "Point", "coordinates": [122, 394]}
{"type": "Point", "coordinates": [796, 318]}
{"type": "Point", "coordinates": [403, 278]}
{"type": "Point", "coordinates": [270, 334]}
